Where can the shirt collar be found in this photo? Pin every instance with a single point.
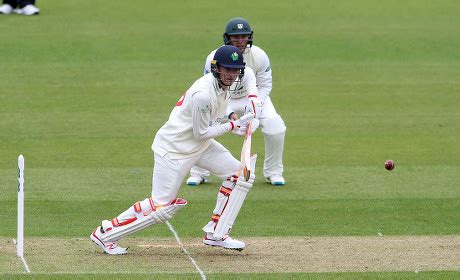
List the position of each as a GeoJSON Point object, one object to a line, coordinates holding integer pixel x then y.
{"type": "Point", "coordinates": [219, 90]}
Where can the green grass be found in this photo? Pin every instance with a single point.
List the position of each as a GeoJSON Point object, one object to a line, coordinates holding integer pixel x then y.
{"type": "Point", "coordinates": [312, 217]}
{"type": "Point", "coordinates": [85, 86]}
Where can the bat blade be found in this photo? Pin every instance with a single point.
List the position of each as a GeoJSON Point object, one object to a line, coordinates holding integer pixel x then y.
{"type": "Point", "coordinates": [246, 153]}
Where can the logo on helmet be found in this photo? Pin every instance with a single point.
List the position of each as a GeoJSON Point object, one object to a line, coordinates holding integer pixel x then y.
{"type": "Point", "coordinates": [240, 26]}
{"type": "Point", "coordinates": [235, 56]}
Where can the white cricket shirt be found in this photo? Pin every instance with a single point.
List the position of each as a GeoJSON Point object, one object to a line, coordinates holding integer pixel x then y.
{"type": "Point", "coordinates": [199, 116]}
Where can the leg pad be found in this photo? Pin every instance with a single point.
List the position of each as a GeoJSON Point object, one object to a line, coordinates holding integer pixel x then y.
{"type": "Point", "coordinates": [160, 215]}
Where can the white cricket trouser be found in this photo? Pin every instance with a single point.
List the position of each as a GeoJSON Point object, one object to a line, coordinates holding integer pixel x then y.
{"type": "Point", "coordinates": [273, 129]}
{"type": "Point", "coordinates": [168, 173]}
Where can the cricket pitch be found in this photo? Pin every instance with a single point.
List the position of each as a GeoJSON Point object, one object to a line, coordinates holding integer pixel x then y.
{"type": "Point", "coordinates": [262, 254]}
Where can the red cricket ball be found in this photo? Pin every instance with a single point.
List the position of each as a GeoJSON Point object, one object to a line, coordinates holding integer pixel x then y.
{"type": "Point", "coordinates": [389, 164]}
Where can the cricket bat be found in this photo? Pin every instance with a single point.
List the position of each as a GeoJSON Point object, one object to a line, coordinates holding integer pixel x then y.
{"type": "Point", "coordinates": [246, 152]}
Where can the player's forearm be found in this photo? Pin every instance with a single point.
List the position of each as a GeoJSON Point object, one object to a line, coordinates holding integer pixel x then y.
{"type": "Point", "coordinates": [264, 84]}
{"type": "Point", "coordinates": [212, 131]}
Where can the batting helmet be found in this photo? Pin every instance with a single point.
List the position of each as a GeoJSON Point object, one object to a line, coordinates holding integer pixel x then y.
{"type": "Point", "coordinates": [228, 57]}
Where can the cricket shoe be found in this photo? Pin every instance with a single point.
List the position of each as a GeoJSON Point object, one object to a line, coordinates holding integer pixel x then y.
{"type": "Point", "coordinates": [110, 248]}
{"type": "Point", "coordinates": [6, 9]}
{"type": "Point", "coordinates": [196, 180]}
{"type": "Point", "coordinates": [28, 10]}
{"type": "Point", "coordinates": [276, 180]}
{"type": "Point", "coordinates": [227, 242]}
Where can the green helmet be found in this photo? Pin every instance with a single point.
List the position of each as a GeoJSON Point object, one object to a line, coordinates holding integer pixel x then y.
{"type": "Point", "coordinates": [238, 26]}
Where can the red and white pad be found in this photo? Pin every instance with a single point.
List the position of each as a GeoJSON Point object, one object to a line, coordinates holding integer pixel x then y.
{"type": "Point", "coordinates": [233, 205]}
{"type": "Point", "coordinates": [138, 217]}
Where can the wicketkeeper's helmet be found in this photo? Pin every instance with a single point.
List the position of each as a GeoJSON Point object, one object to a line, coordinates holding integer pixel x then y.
{"type": "Point", "coordinates": [238, 26]}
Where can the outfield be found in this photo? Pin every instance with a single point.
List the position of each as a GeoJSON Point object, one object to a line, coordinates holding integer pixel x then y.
{"type": "Point", "coordinates": [85, 86]}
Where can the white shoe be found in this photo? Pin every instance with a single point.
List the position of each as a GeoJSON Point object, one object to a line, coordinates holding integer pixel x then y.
{"type": "Point", "coordinates": [110, 248]}
{"type": "Point", "coordinates": [6, 9]}
{"type": "Point", "coordinates": [227, 242]}
{"type": "Point", "coordinates": [28, 10]}
{"type": "Point", "coordinates": [276, 180]}
{"type": "Point", "coordinates": [196, 180]}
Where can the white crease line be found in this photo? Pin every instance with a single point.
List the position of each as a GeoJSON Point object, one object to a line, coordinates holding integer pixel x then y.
{"type": "Point", "coordinates": [25, 265]}
{"type": "Point", "coordinates": [23, 259]}
{"type": "Point", "coordinates": [203, 276]}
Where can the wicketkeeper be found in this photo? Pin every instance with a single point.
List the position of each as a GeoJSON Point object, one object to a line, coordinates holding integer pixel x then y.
{"type": "Point", "coordinates": [238, 33]}
{"type": "Point", "coordinates": [185, 140]}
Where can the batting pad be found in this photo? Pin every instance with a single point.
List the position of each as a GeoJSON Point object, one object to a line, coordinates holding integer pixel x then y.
{"type": "Point", "coordinates": [235, 202]}
{"type": "Point", "coordinates": [159, 216]}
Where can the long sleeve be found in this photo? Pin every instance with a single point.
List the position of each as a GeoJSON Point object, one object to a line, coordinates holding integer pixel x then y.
{"type": "Point", "coordinates": [201, 116]}
{"type": "Point", "coordinates": [264, 75]}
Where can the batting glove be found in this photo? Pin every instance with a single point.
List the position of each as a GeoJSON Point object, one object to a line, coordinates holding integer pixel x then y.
{"type": "Point", "coordinates": [238, 127]}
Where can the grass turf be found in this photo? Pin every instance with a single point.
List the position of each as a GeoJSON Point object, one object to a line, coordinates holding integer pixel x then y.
{"type": "Point", "coordinates": [84, 87]}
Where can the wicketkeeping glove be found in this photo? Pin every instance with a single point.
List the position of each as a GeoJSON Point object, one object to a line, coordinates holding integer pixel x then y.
{"type": "Point", "coordinates": [255, 105]}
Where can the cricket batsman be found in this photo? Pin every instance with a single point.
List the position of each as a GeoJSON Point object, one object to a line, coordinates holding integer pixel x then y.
{"type": "Point", "coordinates": [185, 140]}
